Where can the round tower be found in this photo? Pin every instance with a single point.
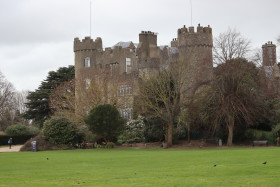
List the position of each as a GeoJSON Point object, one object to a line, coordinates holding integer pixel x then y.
{"type": "Point", "coordinates": [195, 49]}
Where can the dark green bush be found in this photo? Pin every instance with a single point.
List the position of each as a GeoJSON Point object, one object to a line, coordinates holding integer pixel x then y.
{"type": "Point", "coordinates": [60, 131]}
{"type": "Point", "coordinates": [106, 122]}
{"type": "Point", "coordinates": [19, 130]}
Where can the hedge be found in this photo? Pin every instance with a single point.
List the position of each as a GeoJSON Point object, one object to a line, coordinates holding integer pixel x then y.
{"type": "Point", "coordinates": [17, 140]}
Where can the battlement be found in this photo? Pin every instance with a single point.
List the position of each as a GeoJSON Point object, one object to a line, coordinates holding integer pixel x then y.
{"type": "Point", "coordinates": [87, 44]}
{"type": "Point", "coordinates": [190, 30]}
{"type": "Point", "coordinates": [269, 44]}
{"type": "Point", "coordinates": [188, 37]}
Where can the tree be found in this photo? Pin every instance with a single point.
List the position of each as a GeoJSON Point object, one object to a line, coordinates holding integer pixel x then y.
{"type": "Point", "coordinates": [38, 101]}
{"type": "Point", "coordinates": [257, 57]}
{"type": "Point", "coordinates": [7, 102]}
{"type": "Point", "coordinates": [105, 121]}
{"type": "Point", "coordinates": [234, 96]}
{"type": "Point", "coordinates": [159, 96]}
{"type": "Point", "coordinates": [229, 45]}
{"type": "Point", "coordinates": [7, 93]}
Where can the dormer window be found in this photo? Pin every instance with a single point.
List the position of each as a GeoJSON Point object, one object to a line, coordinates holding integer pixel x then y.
{"type": "Point", "coordinates": [87, 62]}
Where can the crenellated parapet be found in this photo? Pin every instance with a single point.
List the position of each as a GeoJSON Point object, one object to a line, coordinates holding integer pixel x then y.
{"type": "Point", "coordinates": [87, 44]}
{"type": "Point", "coordinates": [189, 38]}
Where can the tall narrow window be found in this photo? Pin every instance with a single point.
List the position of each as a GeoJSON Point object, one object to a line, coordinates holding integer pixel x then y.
{"type": "Point", "coordinates": [87, 62]}
{"type": "Point", "coordinates": [128, 63]}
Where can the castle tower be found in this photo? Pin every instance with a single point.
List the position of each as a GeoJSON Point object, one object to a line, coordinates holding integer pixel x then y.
{"type": "Point", "coordinates": [269, 54]}
{"type": "Point", "coordinates": [195, 49]}
{"type": "Point", "coordinates": [86, 52]}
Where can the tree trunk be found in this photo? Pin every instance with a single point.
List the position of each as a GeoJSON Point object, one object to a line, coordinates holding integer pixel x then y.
{"type": "Point", "coordinates": [169, 135]}
{"type": "Point", "coordinates": [230, 130]}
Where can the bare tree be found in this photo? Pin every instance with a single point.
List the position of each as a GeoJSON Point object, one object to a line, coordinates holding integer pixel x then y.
{"type": "Point", "coordinates": [229, 45]}
{"type": "Point", "coordinates": [159, 96]}
{"type": "Point", "coordinates": [20, 100]}
{"type": "Point", "coordinates": [7, 93]}
{"type": "Point", "coordinates": [75, 98]}
{"type": "Point", "coordinates": [257, 57]}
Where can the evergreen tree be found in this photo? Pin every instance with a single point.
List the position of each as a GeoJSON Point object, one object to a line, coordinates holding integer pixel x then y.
{"type": "Point", "coordinates": [38, 101]}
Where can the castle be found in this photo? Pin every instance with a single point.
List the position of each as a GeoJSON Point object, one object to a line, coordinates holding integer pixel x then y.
{"type": "Point", "coordinates": [127, 61]}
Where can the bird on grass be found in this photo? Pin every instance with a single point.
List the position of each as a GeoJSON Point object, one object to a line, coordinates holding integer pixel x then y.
{"type": "Point", "coordinates": [215, 165]}
{"type": "Point", "coordinates": [265, 162]}
{"type": "Point", "coordinates": [47, 158]}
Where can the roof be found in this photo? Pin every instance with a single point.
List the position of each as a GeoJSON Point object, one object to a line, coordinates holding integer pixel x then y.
{"type": "Point", "coordinates": [123, 44]}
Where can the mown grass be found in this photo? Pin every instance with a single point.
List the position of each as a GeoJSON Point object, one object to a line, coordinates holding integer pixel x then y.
{"type": "Point", "coordinates": [142, 167]}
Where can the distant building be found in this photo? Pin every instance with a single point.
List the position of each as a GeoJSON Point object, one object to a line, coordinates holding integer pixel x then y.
{"type": "Point", "coordinates": [271, 68]}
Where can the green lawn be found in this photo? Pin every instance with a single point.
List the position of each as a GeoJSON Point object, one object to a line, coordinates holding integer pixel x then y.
{"type": "Point", "coordinates": [142, 167]}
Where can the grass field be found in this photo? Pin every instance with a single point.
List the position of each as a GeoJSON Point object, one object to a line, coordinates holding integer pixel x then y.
{"type": "Point", "coordinates": [142, 167]}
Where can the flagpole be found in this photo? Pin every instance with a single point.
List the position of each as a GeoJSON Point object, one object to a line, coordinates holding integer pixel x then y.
{"type": "Point", "coordinates": [90, 19]}
{"type": "Point", "coordinates": [191, 11]}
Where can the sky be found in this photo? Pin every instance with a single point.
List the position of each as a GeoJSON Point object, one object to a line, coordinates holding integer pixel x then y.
{"type": "Point", "coordinates": [36, 36]}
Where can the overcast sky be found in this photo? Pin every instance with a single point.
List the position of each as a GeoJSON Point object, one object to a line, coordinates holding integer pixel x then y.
{"type": "Point", "coordinates": [36, 36]}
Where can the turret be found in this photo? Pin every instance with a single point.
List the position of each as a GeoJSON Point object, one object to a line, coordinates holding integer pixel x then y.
{"type": "Point", "coordinates": [86, 53]}
{"type": "Point", "coordinates": [147, 44]}
{"type": "Point", "coordinates": [269, 54]}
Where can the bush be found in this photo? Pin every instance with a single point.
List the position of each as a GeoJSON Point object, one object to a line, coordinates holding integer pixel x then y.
{"type": "Point", "coordinates": [86, 135]}
{"type": "Point", "coordinates": [60, 131]}
{"type": "Point", "coordinates": [22, 130]}
{"type": "Point", "coordinates": [134, 131]}
{"type": "Point", "coordinates": [105, 121]}
{"type": "Point", "coordinates": [109, 145]}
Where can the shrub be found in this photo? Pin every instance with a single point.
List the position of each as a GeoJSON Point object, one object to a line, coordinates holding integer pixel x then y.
{"type": "Point", "coordinates": [105, 121]}
{"type": "Point", "coordinates": [22, 130]}
{"type": "Point", "coordinates": [109, 145]}
{"type": "Point", "coordinates": [86, 135]}
{"type": "Point", "coordinates": [134, 131]}
{"type": "Point", "coordinates": [60, 131]}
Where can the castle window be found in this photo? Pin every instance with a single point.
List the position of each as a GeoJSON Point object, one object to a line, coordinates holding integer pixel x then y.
{"type": "Point", "coordinates": [128, 63]}
{"type": "Point", "coordinates": [125, 90]}
{"type": "Point", "coordinates": [126, 113]}
{"type": "Point", "coordinates": [87, 62]}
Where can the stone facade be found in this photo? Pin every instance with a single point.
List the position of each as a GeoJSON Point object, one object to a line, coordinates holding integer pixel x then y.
{"type": "Point", "coordinates": [129, 60]}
